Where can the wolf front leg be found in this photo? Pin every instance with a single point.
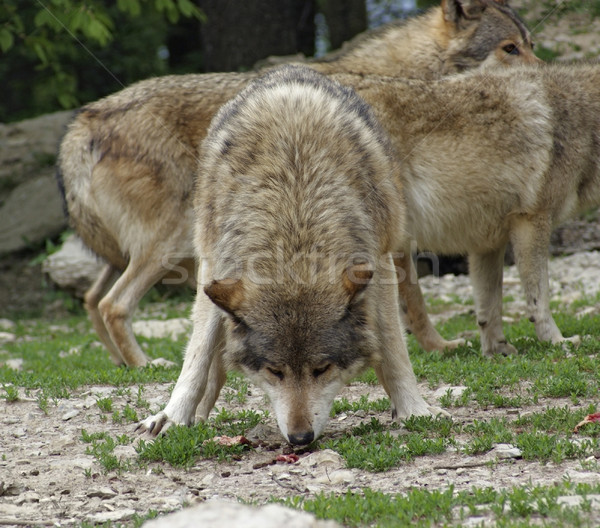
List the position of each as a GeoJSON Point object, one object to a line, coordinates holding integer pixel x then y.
{"type": "Point", "coordinates": [530, 238]}
{"type": "Point", "coordinates": [216, 379]}
{"type": "Point", "coordinates": [413, 309]}
{"type": "Point", "coordinates": [393, 368]}
{"type": "Point", "coordinates": [485, 270]}
{"type": "Point", "coordinates": [206, 340]}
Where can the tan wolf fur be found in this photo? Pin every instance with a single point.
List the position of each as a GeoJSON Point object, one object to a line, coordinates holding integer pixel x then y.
{"type": "Point", "coordinates": [489, 158]}
{"type": "Point", "coordinates": [298, 209]}
{"type": "Point", "coordinates": [128, 160]}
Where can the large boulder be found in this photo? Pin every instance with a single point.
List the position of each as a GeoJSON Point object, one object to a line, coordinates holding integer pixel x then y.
{"type": "Point", "coordinates": [227, 514]}
{"type": "Point", "coordinates": [30, 202]}
{"type": "Point", "coordinates": [73, 267]}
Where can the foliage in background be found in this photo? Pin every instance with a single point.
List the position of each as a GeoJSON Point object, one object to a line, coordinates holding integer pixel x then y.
{"type": "Point", "coordinates": [60, 53]}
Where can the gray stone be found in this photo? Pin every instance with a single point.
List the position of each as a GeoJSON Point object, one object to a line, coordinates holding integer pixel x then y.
{"type": "Point", "coordinates": [32, 213]}
{"type": "Point", "coordinates": [111, 516]}
{"type": "Point", "coordinates": [73, 267]}
{"type": "Point", "coordinates": [455, 392]}
{"type": "Point", "coordinates": [172, 328]}
{"type": "Point", "coordinates": [102, 493]}
{"type": "Point", "coordinates": [7, 337]}
{"type": "Point", "coordinates": [506, 451]}
{"type": "Point", "coordinates": [27, 146]}
{"type": "Point", "coordinates": [7, 324]}
{"type": "Point", "coordinates": [30, 203]}
{"type": "Point", "coordinates": [226, 514]}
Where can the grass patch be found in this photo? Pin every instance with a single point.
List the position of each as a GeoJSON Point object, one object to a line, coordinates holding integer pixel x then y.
{"type": "Point", "coordinates": [182, 446]}
{"type": "Point", "coordinates": [516, 507]}
{"type": "Point", "coordinates": [374, 447]}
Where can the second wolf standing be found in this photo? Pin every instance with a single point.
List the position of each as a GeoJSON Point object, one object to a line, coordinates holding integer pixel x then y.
{"type": "Point", "coordinates": [297, 210]}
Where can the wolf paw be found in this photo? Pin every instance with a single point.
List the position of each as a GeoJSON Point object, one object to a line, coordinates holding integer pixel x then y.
{"type": "Point", "coordinates": [441, 344]}
{"type": "Point", "coordinates": [162, 362]}
{"type": "Point", "coordinates": [438, 411]}
{"type": "Point", "coordinates": [502, 348]}
{"type": "Point", "coordinates": [573, 340]}
{"type": "Point", "coordinates": [155, 425]}
{"type": "Point", "coordinates": [453, 343]}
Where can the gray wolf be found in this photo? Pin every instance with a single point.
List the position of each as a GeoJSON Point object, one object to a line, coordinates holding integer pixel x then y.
{"type": "Point", "coordinates": [298, 209]}
{"type": "Point", "coordinates": [128, 160]}
{"type": "Point", "coordinates": [482, 166]}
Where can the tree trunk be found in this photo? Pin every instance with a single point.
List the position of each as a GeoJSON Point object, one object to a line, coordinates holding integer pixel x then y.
{"type": "Point", "coordinates": [238, 33]}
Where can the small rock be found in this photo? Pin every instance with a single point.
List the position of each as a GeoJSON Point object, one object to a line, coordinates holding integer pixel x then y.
{"type": "Point", "coordinates": [455, 392]}
{"type": "Point", "coordinates": [102, 493]}
{"type": "Point", "coordinates": [172, 328]}
{"type": "Point", "coordinates": [8, 489]}
{"type": "Point", "coordinates": [27, 497]}
{"type": "Point", "coordinates": [208, 479]}
{"type": "Point", "coordinates": [7, 324]}
{"type": "Point", "coordinates": [339, 476]}
{"type": "Point", "coordinates": [321, 459]}
{"type": "Point", "coordinates": [19, 432]}
{"type": "Point", "coordinates": [14, 364]}
{"type": "Point", "coordinates": [7, 337]}
{"type": "Point", "coordinates": [111, 516]}
{"type": "Point", "coordinates": [68, 415]}
{"type": "Point", "coordinates": [506, 451]}
{"type": "Point", "coordinates": [73, 267]}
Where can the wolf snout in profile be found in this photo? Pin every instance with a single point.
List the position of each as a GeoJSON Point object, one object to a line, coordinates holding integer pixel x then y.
{"type": "Point", "coordinates": [128, 160]}
{"type": "Point", "coordinates": [293, 163]}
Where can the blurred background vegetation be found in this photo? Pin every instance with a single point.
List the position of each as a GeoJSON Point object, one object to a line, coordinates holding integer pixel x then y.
{"type": "Point", "coordinates": [59, 54]}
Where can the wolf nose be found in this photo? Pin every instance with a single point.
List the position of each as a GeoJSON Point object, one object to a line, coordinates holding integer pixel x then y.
{"type": "Point", "coordinates": [301, 438]}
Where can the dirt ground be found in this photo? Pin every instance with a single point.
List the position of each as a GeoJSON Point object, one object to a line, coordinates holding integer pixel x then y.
{"type": "Point", "coordinates": [46, 477]}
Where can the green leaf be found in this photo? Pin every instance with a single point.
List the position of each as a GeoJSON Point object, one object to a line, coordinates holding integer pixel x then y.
{"type": "Point", "coordinates": [98, 31]}
{"type": "Point", "coordinates": [130, 6]}
{"type": "Point", "coordinates": [6, 40]}
{"type": "Point", "coordinates": [170, 9]}
{"type": "Point", "coordinates": [40, 52]}
{"type": "Point", "coordinates": [188, 9]}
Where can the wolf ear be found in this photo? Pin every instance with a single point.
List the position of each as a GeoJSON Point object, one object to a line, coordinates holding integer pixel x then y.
{"type": "Point", "coordinates": [355, 279]}
{"type": "Point", "coordinates": [461, 12]}
{"type": "Point", "coordinates": [227, 294]}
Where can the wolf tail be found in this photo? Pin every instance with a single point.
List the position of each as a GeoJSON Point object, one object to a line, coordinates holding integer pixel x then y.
{"type": "Point", "coordinates": [61, 188]}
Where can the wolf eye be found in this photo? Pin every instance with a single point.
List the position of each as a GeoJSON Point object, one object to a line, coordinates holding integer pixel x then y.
{"type": "Point", "coordinates": [511, 49]}
{"type": "Point", "coordinates": [318, 371]}
{"type": "Point", "coordinates": [276, 372]}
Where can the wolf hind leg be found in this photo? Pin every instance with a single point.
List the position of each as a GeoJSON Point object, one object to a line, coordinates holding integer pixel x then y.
{"type": "Point", "coordinates": [413, 310]}
{"type": "Point", "coordinates": [216, 379]}
{"type": "Point", "coordinates": [91, 299]}
{"type": "Point", "coordinates": [120, 302]}
{"type": "Point", "coordinates": [530, 238]}
{"type": "Point", "coordinates": [485, 270]}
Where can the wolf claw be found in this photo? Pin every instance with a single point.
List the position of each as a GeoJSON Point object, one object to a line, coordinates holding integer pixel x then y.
{"type": "Point", "coordinates": [155, 425]}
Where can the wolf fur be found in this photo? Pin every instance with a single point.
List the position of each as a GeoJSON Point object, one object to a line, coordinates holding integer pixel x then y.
{"type": "Point", "coordinates": [128, 160]}
{"type": "Point", "coordinates": [294, 240]}
{"type": "Point", "coordinates": [489, 158]}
